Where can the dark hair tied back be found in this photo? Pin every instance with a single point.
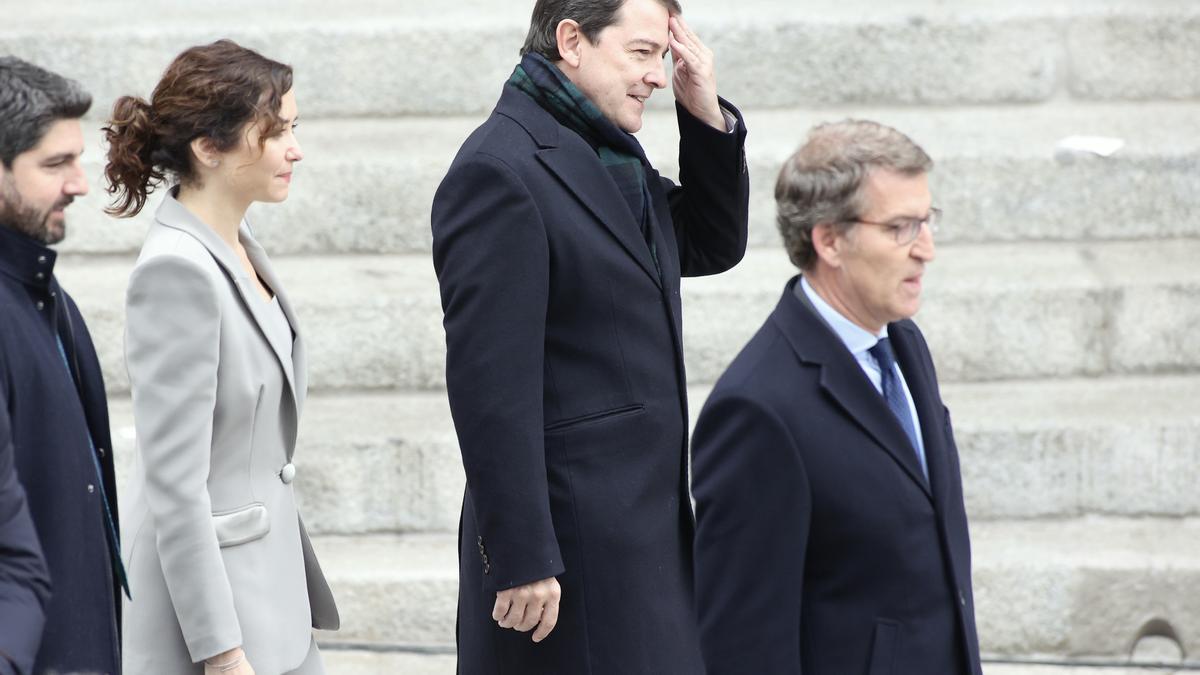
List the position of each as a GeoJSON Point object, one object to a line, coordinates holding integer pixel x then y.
{"type": "Point", "coordinates": [132, 140]}
{"type": "Point", "coordinates": [210, 91]}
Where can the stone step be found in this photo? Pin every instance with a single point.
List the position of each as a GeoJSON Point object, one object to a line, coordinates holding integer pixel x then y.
{"type": "Point", "coordinates": [369, 57]}
{"type": "Point", "coordinates": [366, 185]}
{"type": "Point", "coordinates": [1079, 587]}
{"type": "Point", "coordinates": [365, 662]}
{"type": "Point", "coordinates": [1122, 446]}
{"type": "Point", "coordinates": [997, 311]}
{"type": "Point", "coordinates": [340, 661]}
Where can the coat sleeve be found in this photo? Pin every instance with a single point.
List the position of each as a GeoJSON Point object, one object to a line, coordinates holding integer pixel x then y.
{"type": "Point", "coordinates": [753, 512]}
{"type": "Point", "coordinates": [711, 206]}
{"type": "Point", "coordinates": [492, 260]}
{"type": "Point", "coordinates": [24, 580]}
{"type": "Point", "coordinates": [172, 335]}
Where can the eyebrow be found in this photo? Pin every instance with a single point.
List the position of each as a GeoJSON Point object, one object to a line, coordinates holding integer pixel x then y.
{"type": "Point", "coordinates": [61, 157]}
{"type": "Point", "coordinates": [654, 46]}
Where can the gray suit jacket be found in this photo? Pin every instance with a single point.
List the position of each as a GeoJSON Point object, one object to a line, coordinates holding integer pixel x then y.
{"type": "Point", "coordinates": [216, 552]}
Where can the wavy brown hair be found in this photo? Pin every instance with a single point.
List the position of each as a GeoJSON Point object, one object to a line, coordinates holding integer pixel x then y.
{"type": "Point", "coordinates": [209, 91]}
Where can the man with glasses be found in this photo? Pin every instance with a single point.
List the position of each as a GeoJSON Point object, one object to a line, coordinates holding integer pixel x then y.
{"type": "Point", "coordinates": [831, 534]}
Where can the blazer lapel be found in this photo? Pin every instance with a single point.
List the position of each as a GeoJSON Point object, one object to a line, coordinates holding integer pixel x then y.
{"type": "Point", "coordinates": [928, 402]}
{"type": "Point", "coordinates": [173, 214]}
{"type": "Point", "coordinates": [843, 380]}
{"type": "Point", "coordinates": [293, 361]}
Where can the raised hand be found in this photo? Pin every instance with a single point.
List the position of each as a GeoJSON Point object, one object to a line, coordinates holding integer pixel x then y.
{"type": "Point", "coordinates": [695, 79]}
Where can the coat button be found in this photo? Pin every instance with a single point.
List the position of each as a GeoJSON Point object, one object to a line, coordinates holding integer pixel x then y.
{"type": "Point", "coordinates": [41, 260]}
{"type": "Point", "coordinates": [91, 489]}
{"type": "Point", "coordinates": [288, 473]}
{"type": "Point", "coordinates": [962, 598]}
{"type": "Point", "coordinates": [40, 276]}
{"type": "Point", "coordinates": [40, 305]}
{"type": "Point", "coordinates": [100, 451]}
{"type": "Point", "coordinates": [487, 569]}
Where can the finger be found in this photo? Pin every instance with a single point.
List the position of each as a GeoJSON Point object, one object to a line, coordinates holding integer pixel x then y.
{"type": "Point", "coordinates": [549, 621]}
{"type": "Point", "coordinates": [515, 612]}
{"type": "Point", "coordinates": [682, 51]}
{"type": "Point", "coordinates": [501, 608]}
{"type": "Point", "coordinates": [693, 41]}
{"type": "Point", "coordinates": [533, 614]}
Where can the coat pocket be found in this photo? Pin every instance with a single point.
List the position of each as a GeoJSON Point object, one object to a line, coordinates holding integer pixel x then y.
{"type": "Point", "coordinates": [883, 649]}
{"type": "Point", "coordinates": [241, 525]}
{"type": "Point", "coordinates": [593, 418]}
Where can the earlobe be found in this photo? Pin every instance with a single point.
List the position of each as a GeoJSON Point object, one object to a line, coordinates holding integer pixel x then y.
{"type": "Point", "coordinates": [568, 37]}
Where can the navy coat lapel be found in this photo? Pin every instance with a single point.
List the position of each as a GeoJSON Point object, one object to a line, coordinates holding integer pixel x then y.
{"type": "Point", "coordinates": [928, 403]}
{"type": "Point", "coordinates": [576, 165]}
{"type": "Point", "coordinates": [843, 380]}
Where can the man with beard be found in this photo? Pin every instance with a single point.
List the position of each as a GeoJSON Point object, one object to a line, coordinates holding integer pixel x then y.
{"type": "Point", "coordinates": [559, 251]}
{"type": "Point", "coordinates": [50, 376]}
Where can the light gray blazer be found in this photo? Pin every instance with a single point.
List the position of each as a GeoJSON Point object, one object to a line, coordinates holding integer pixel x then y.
{"type": "Point", "coordinates": [216, 552]}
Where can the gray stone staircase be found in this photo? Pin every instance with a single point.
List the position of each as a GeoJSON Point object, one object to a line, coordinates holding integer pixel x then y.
{"type": "Point", "coordinates": [1061, 308]}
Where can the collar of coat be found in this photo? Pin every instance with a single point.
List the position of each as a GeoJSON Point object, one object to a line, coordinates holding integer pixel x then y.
{"type": "Point", "coordinates": [26, 260]}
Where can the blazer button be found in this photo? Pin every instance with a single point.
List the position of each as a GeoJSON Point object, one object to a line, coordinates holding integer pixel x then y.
{"type": "Point", "coordinates": [487, 569]}
{"type": "Point", "coordinates": [288, 473]}
{"type": "Point", "coordinates": [962, 598]}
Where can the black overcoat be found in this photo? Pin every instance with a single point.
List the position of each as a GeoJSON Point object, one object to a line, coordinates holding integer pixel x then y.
{"type": "Point", "coordinates": [565, 374]}
{"type": "Point", "coordinates": [24, 581]}
{"type": "Point", "coordinates": [51, 419]}
{"type": "Point", "coordinates": [820, 547]}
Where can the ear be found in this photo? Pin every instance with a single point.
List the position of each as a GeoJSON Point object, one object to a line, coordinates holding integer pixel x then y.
{"type": "Point", "coordinates": [828, 242]}
{"type": "Point", "coordinates": [570, 40]}
{"type": "Point", "coordinates": [206, 156]}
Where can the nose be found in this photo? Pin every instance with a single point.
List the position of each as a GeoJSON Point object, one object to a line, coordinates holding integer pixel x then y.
{"type": "Point", "coordinates": [294, 153]}
{"type": "Point", "coordinates": [923, 248]}
{"type": "Point", "coordinates": [77, 183]}
{"type": "Point", "coordinates": [657, 77]}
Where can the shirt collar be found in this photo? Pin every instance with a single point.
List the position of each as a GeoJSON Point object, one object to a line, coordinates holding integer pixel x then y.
{"type": "Point", "coordinates": [856, 338]}
{"type": "Point", "coordinates": [26, 260]}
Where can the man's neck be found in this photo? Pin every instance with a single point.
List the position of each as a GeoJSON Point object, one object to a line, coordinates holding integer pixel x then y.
{"type": "Point", "coordinates": [830, 293]}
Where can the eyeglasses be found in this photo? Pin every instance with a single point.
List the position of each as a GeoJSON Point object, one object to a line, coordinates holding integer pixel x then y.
{"type": "Point", "coordinates": [906, 230]}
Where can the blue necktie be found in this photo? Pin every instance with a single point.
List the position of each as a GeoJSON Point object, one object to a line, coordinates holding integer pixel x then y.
{"type": "Point", "coordinates": [114, 541]}
{"type": "Point", "coordinates": [893, 393]}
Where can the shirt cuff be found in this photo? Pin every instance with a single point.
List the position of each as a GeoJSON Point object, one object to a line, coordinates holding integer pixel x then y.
{"type": "Point", "coordinates": [730, 121]}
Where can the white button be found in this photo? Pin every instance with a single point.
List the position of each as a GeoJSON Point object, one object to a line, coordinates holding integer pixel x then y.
{"type": "Point", "coordinates": [91, 489]}
{"type": "Point", "coordinates": [41, 305]}
{"type": "Point", "coordinates": [288, 473]}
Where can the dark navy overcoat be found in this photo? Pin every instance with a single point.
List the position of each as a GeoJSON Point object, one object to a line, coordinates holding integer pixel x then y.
{"type": "Point", "coordinates": [566, 382]}
{"type": "Point", "coordinates": [821, 549]}
{"type": "Point", "coordinates": [54, 407]}
{"type": "Point", "coordinates": [24, 581]}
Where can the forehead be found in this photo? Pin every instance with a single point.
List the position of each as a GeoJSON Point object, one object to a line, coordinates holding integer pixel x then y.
{"type": "Point", "coordinates": [891, 194]}
{"type": "Point", "coordinates": [642, 19]}
{"type": "Point", "coordinates": [287, 104]}
{"type": "Point", "coordinates": [61, 137]}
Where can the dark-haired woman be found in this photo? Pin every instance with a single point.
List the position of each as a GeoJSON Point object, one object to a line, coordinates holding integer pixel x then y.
{"type": "Point", "coordinates": [225, 576]}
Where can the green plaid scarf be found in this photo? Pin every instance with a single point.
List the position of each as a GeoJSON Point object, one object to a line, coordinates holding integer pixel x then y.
{"type": "Point", "coordinates": [618, 151]}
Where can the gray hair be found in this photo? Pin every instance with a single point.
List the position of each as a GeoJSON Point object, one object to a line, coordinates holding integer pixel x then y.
{"type": "Point", "coordinates": [822, 182]}
{"type": "Point", "coordinates": [31, 99]}
{"type": "Point", "coordinates": [592, 16]}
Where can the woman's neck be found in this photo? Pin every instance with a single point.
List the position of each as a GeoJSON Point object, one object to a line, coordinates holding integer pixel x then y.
{"type": "Point", "coordinates": [221, 212]}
